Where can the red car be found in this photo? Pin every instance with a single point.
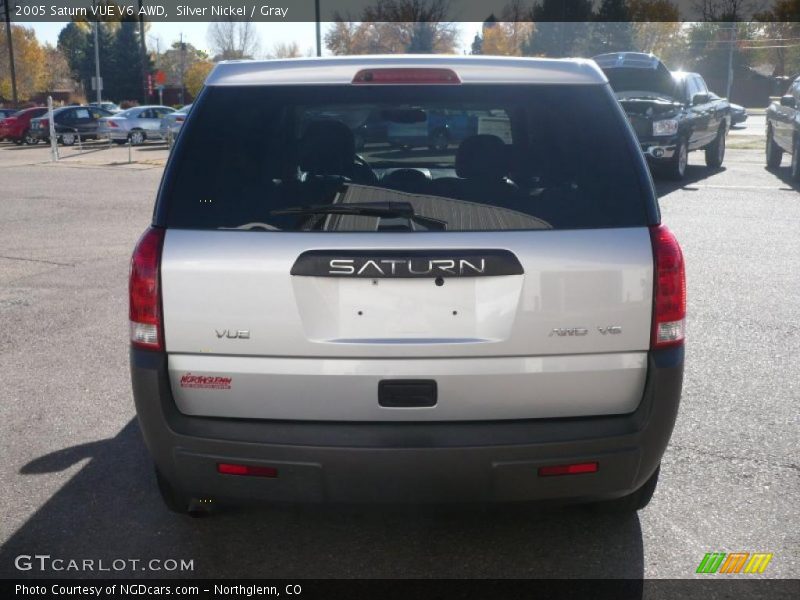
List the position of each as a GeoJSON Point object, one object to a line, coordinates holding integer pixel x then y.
{"type": "Point", "coordinates": [17, 127]}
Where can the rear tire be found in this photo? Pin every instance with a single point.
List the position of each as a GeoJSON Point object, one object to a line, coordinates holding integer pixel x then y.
{"type": "Point", "coordinates": [136, 137]}
{"type": "Point", "coordinates": [29, 139]}
{"type": "Point", "coordinates": [795, 172]}
{"type": "Point", "coordinates": [774, 152]}
{"type": "Point", "coordinates": [676, 167]}
{"type": "Point", "coordinates": [632, 502]}
{"type": "Point", "coordinates": [68, 139]}
{"type": "Point", "coordinates": [715, 151]}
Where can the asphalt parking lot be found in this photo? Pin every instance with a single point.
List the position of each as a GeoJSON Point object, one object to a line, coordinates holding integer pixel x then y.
{"type": "Point", "coordinates": [77, 481]}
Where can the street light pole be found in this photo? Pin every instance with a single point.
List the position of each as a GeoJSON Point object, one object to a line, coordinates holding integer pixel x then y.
{"type": "Point", "coordinates": [98, 86]}
{"type": "Point", "coordinates": [318, 26]}
{"type": "Point", "coordinates": [11, 53]}
{"type": "Point", "coordinates": [143, 52]}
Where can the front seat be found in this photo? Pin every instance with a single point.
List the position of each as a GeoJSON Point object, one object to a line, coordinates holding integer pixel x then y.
{"type": "Point", "coordinates": [327, 152]}
{"type": "Point", "coordinates": [482, 167]}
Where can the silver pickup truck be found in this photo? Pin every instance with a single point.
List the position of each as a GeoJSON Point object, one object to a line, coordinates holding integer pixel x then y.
{"type": "Point", "coordinates": [497, 320]}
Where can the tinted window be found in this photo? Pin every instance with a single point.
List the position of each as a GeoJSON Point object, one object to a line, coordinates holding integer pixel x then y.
{"type": "Point", "coordinates": [466, 157]}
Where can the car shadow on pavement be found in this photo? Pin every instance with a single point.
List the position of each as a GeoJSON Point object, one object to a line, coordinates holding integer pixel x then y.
{"type": "Point", "coordinates": [785, 175]}
{"type": "Point", "coordinates": [111, 510]}
{"type": "Point", "coordinates": [694, 174]}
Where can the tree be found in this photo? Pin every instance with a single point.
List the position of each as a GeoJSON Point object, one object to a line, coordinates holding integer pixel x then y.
{"type": "Point", "coordinates": [58, 74]}
{"type": "Point", "coordinates": [284, 50]}
{"type": "Point", "coordinates": [123, 76]}
{"type": "Point", "coordinates": [657, 29]}
{"type": "Point", "coordinates": [196, 76]}
{"type": "Point", "coordinates": [394, 26]}
{"type": "Point", "coordinates": [231, 39]}
{"type": "Point", "coordinates": [561, 28]}
{"type": "Point", "coordinates": [507, 36]}
{"type": "Point", "coordinates": [779, 27]}
{"type": "Point", "coordinates": [611, 30]}
{"type": "Point", "coordinates": [177, 60]}
{"type": "Point", "coordinates": [29, 60]}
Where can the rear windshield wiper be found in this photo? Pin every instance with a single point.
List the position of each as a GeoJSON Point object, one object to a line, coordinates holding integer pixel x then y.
{"type": "Point", "coordinates": [402, 210]}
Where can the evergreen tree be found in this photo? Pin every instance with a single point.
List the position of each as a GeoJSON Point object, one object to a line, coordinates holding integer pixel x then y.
{"type": "Point", "coordinates": [124, 74]}
{"type": "Point", "coordinates": [611, 31]}
{"type": "Point", "coordinates": [561, 28]}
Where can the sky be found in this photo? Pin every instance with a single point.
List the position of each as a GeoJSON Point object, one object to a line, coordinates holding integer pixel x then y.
{"type": "Point", "coordinates": [195, 34]}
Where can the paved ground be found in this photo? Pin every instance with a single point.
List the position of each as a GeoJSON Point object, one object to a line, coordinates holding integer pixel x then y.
{"type": "Point", "coordinates": [77, 481]}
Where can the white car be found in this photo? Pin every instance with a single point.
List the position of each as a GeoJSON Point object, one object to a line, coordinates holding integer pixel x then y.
{"type": "Point", "coordinates": [136, 124]}
{"type": "Point", "coordinates": [171, 123]}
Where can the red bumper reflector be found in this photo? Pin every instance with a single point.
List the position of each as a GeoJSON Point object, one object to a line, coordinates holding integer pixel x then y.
{"type": "Point", "coordinates": [231, 469]}
{"type": "Point", "coordinates": [590, 467]}
{"type": "Point", "coordinates": [399, 75]}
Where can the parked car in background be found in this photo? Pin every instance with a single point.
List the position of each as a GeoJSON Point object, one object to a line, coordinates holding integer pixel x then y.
{"type": "Point", "coordinates": [673, 113]}
{"type": "Point", "coordinates": [72, 123]}
{"type": "Point", "coordinates": [7, 112]}
{"type": "Point", "coordinates": [136, 124]}
{"type": "Point", "coordinates": [16, 128]}
{"type": "Point", "coordinates": [783, 130]}
{"type": "Point", "coordinates": [436, 129]}
{"type": "Point", "coordinates": [109, 106]}
{"type": "Point", "coordinates": [738, 112]}
{"type": "Point", "coordinates": [171, 123]}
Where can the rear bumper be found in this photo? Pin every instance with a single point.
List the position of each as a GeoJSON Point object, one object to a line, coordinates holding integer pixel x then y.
{"type": "Point", "coordinates": [408, 462]}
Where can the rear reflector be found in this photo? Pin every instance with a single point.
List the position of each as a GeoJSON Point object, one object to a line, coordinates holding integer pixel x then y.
{"type": "Point", "coordinates": [669, 289]}
{"type": "Point", "coordinates": [144, 291]}
{"type": "Point", "coordinates": [574, 469]}
{"type": "Point", "coordinates": [406, 76]}
{"type": "Point", "coordinates": [233, 469]}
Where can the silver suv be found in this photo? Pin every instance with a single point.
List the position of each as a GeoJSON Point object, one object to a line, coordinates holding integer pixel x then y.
{"type": "Point", "coordinates": [496, 318]}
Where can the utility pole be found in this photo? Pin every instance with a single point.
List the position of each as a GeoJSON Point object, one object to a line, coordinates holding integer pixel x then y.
{"type": "Point", "coordinates": [183, 66]}
{"type": "Point", "coordinates": [318, 26]}
{"type": "Point", "coordinates": [11, 54]}
{"type": "Point", "coordinates": [98, 84]}
{"type": "Point", "coordinates": [732, 45]}
{"type": "Point", "coordinates": [143, 53]}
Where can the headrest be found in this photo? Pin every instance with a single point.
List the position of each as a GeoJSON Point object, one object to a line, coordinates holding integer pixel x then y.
{"type": "Point", "coordinates": [482, 157]}
{"type": "Point", "coordinates": [327, 147]}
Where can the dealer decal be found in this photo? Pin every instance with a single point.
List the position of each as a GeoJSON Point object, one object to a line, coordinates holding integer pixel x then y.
{"type": "Point", "coordinates": [205, 382]}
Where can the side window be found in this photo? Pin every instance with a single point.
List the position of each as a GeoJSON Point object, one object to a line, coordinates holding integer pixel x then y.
{"type": "Point", "coordinates": [796, 89]}
{"type": "Point", "coordinates": [66, 117]}
{"type": "Point", "coordinates": [691, 88]}
{"type": "Point", "coordinates": [145, 114]}
{"type": "Point", "coordinates": [81, 114]}
{"type": "Point", "coordinates": [701, 85]}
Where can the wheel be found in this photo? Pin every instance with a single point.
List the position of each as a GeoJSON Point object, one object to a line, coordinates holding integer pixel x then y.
{"type": "Point", "coordinates": [29, 139]}
{"type": "Point", "coordinates": [795, 172]}
{"type": "Point", "coordinates": [774, 152]}
{"type": "Point", "coordinates": [632, 502]}
{"type": "Point", "coordinates": [68, 139]}
{"type": "Point", "coordinates": [19, 141]}
{"type": "Point", "coordinates": [438, 141]}
{"type": "Point", "coordinates": [676, 167]}
{"type": "Point", "coordinates": [136, 137]}
{"type": "Point", "coordinates": [715, 151]}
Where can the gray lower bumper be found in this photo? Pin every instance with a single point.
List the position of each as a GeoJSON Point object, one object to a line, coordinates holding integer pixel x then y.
{"type": "Point", "coordinates": [408, 462]}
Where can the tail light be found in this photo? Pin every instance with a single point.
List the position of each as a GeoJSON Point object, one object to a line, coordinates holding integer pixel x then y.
{"type": "Point", "coordinates": [44, 124]}
{"type": "Point", "coordinates": [145, 292]}
{"type": "Point", "coordinates": [111, 124]}
{"type": "Point", "coordinates": [669, 290]}
{"type": "Point", "coordinates": [180, 119]}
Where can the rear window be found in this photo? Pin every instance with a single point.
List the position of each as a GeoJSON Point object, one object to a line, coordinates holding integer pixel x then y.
{"type": "Point", "coordinates": [405, 158]}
